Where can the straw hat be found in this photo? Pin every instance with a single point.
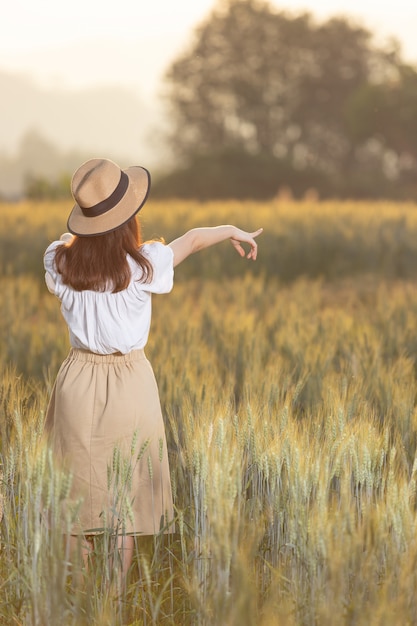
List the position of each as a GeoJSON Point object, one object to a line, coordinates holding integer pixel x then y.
{"type": "Point", "coordinates": [106, 197]}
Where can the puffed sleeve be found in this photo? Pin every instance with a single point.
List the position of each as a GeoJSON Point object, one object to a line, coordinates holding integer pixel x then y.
{"type": "Point", "coordinates": [51, 275]}
{"type": "Point", "coordinates": [162, 259]}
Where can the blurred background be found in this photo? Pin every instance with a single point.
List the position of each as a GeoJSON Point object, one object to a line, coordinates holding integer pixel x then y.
{"type": "Point", "coordinates": [220, 99]}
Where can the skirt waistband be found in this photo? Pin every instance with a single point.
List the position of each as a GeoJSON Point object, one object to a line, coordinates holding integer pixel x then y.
{"type": "Point", "coordinates": [77, 354]}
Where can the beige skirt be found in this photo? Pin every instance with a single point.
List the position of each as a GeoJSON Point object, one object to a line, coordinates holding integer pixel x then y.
{"type": "Point", "coordinates": [105, 426]}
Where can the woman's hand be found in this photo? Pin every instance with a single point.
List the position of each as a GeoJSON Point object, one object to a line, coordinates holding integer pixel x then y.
{"type": "Point", "coordinates": [240, 236]}
{"type": "Point", "coordinates": [200, 238]}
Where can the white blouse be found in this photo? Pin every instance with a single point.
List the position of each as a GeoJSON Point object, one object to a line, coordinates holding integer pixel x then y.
{"type": "Point", "coordinates": [105, 322]}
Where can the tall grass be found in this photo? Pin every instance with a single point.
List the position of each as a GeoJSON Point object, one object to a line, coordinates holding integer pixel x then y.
{"type": "Point", "coordinates": [291, 419]}
{"type": "Point", "coordinates": [327, 240]}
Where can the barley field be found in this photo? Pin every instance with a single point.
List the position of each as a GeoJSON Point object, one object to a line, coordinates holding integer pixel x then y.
{"type": "Point", "coordinates": [289, 392]}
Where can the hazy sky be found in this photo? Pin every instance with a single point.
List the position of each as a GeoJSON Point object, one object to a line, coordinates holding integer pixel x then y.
{"type": "Point", "coordinates": [130, 42]}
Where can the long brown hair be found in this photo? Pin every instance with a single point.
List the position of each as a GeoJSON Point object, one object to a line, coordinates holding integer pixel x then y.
{"type": "Point", "coordinates": [99, 263]}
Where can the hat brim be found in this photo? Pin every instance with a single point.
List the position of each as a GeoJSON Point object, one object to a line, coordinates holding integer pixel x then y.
{"type": "Point", "coordinates": [131, 203]}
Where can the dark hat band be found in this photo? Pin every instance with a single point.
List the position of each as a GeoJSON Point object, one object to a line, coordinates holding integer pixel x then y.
{"type": "Point", "coordinates": [111, 201]}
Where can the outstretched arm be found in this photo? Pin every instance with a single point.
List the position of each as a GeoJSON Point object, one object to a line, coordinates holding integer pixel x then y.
{"type": "Point", "coordinates": [199, 238]}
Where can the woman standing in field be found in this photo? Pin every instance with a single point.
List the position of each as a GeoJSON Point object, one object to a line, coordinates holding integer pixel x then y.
{"type": "Point", "coordinates": [104, 417]}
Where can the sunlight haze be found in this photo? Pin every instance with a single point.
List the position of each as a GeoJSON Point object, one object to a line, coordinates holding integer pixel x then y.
{"type": "Point", "coordinates": [88, 76]}
{"type": "Point", "coordinates": [132, 43]}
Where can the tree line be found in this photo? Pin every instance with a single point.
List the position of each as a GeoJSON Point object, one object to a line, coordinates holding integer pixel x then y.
{"type": "Point", "coordinates": [263, 101]}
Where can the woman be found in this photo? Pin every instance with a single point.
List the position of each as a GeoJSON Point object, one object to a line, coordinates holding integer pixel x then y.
{"type": "Point", "coordinates": [104, 418]}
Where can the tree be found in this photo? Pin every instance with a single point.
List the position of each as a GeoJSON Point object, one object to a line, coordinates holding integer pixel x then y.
{"type": "Point", "coordinates": [40, 188]}
{"type": "Point", "coordinates": [267, 83]}
{"type": "Point", "coordinates": [386, 112]}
